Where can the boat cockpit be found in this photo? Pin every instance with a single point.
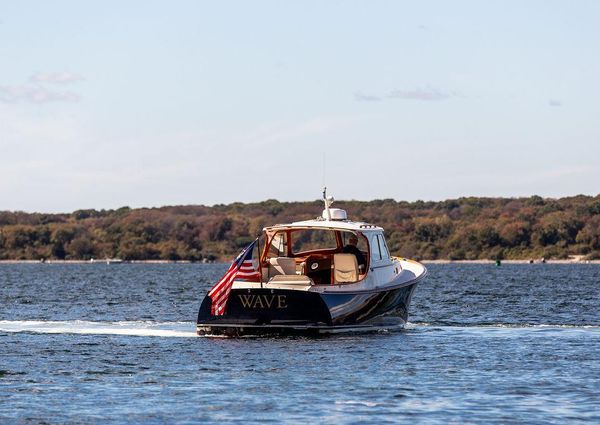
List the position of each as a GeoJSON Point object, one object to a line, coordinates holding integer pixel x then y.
{"type": "Point", "coordinates": [318, 256]}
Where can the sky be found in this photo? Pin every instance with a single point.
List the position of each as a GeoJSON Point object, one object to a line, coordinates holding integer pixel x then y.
{"type": "Point", "coordinates": [105, 104]}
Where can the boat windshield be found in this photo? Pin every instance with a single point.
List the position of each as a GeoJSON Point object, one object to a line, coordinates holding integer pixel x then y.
{"type": "Point", "coordinates": [306, 240]}
{"type": "Point", "coordinates": [325, 256]}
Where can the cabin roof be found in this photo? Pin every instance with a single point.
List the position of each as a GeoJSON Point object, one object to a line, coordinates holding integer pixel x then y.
{"type": "Point", "coordinates": [328, 224]}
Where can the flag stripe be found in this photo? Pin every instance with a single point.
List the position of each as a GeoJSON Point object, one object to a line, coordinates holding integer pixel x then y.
{"type": "Point", "coordinates": [221, 283]}
{"type": "Point", "coordinates": [241, 267]}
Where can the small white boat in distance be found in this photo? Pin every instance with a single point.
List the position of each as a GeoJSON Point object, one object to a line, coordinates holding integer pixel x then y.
{"type": "Point", "coordinates": [114, 261]}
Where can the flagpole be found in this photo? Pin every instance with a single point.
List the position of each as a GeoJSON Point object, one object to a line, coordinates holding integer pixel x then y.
{"type": "Point", "coordinates": [259, 261]}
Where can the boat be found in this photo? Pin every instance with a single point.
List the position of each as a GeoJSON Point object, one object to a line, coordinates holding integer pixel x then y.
{"type": "Point", "coordinates": [320, 276]}
{"type": "Point", "coordinates": [114, 261]}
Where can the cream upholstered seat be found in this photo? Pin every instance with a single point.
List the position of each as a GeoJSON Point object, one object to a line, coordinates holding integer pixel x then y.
{"type": "Point", "coordinates": [281, 265]}
{"type": "Point", "coordinates": [345, 268]}
{"type": "Point", "coordinates": [296, 279]}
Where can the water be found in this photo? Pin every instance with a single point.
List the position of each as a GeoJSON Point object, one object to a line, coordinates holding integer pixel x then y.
{"type": "Point", "coordinates": [116, 344]}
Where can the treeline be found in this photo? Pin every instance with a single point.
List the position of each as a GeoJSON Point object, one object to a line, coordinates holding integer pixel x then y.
{"type": "Point", "coordinates": [458, 229]}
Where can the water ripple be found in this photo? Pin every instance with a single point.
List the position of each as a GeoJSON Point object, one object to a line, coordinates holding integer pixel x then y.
{"type": "Point", "coordinates": [98, 344]}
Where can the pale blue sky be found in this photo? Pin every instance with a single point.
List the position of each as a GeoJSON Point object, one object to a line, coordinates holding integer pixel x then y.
{"type": "Point", "coordinates": [111, 103]}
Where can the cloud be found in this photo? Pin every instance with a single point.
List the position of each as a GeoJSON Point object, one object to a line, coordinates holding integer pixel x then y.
{"type": "Point", "coordinates": [554, 103]}
{"type": "Point", "coordinates": [366, 97]}
{"type": "Point", "coordinates": [280, 134]}
{"type": "Point", "coordinates": [427, 94]}
{"type": "Point", "coordinates": [55, 77]}
{"type": "Point", "coordinates": [35, 94]}
{"type": "Point", "coordinates": [35, 90]}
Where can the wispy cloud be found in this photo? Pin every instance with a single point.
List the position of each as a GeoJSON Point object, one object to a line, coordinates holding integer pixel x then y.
{"type": "Point", "coordinates": [284, 133]}
{"type": "Point", "coordinates": [63, 77]}
{"type": "Point", "coordinates": [555, 103]}
{"type": "Point", "coordinates": [36, 89]}
{"type": "Point", "coordinates": [427, 94]}
{"type": "Point", "coordinates": [360, 97]}
{"type": "Point", "coordinates": [35, 94]}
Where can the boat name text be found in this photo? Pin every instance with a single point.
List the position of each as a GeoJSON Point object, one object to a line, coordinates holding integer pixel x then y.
{"type": "Point", "coordinates": [263, 301]}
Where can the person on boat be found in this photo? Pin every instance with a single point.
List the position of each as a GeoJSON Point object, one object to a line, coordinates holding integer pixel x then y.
{"type": "Point", "coordinates": [351, 248]}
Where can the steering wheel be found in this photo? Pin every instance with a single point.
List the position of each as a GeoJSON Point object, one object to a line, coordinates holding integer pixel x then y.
{"type": "Point", "coordinates": [317, 263]}
{"type": "Point", "coordinates": [313, 264]}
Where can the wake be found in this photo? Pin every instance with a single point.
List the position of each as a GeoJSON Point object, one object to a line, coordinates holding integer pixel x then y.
{"type": "Point", "coordinates": [188, 329]}
{"type": "Point", "coordinates": [131, 328]}
{"type": "Point", "coordinates": [412, 325]}
{"type": "Point", "coordinates": [503, 328]}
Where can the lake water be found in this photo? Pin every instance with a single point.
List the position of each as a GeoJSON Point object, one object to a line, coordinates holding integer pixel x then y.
{"type": "Point", "coordinates": [116, 344]}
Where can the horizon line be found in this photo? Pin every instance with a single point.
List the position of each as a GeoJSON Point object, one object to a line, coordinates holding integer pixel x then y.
{"type": "Point", "coordinates": [298, 202]}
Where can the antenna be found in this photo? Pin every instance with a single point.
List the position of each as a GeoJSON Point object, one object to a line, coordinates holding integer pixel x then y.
{"type": "Point", "coordinates": [328, 201]}
{"type": "Point", "coordinates": [324, 167]}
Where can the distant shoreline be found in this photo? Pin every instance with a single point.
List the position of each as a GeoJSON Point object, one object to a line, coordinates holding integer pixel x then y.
{"type": "Point", "coordinates": [568, 261]}
{"type": "Point", "coordinates": [474, 227]}
{"type": "Point", "coordinates": [112, 262]}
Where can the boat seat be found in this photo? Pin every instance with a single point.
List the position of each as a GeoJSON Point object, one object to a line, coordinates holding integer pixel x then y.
{"type": "Point", "coordinates": [282, 265]}
{"type": "Point", "coordinates": [345, 268]}
{"type": "Point", "coordinates": [295, 279]}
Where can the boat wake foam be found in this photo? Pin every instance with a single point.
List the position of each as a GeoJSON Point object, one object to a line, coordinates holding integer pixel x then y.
{"type": "Point", "coordinates": [131, 328]}
{"type": "Point", "coordinates": [188, 329]}
{"type": "Point", "coordinates": [501, 326]}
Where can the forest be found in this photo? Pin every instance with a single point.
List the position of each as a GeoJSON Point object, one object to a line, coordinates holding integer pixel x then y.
{"type": "Point", "coordinates": [467, 228]}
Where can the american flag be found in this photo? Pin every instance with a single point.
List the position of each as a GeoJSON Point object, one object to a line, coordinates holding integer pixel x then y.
{"type": "Point", "coordinates": [242, 268]}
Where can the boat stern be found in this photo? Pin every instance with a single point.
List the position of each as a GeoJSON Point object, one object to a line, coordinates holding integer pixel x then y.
{"type": "Point", "coordinates": [268, 310]}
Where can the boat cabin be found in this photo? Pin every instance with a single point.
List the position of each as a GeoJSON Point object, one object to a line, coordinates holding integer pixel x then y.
{"type": "Point", "coordinates": [322, 251]}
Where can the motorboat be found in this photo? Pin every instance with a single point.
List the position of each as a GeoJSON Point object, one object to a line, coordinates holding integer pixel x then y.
{"type": "Point", "coordinates": [325, 275]}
